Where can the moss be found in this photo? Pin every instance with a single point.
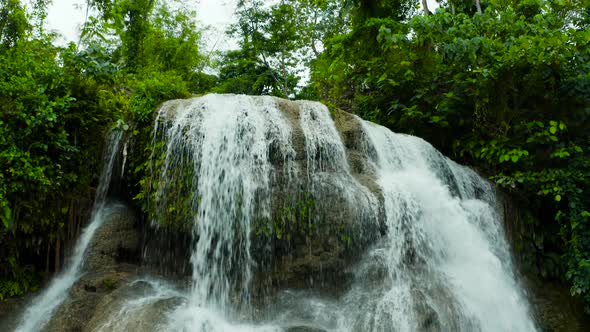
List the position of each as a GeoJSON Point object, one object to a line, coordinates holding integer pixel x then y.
{"type": "Point", "coordinates": [300, 218]}
{"type": "Point", "coordinates": [297, 217]}
{"type": "Point", "coordinates": [170, 204]}
{"type": "Point", "coordinates": [109, 284]}
{"type": "Point", "coordinates": [334, 110]}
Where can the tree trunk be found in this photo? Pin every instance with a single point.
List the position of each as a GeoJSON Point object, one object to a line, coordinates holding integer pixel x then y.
{"type": "Point", "coordinates": [312, 38]}
{"type": "Point", "coordinates": [57, 252]}
{"type": "Point", "coordinates": [425, 7]}
{"type": "Point", "coordinates": [285, 77]}
{"type": "Point", "coordinates": [47, 258]}
{"type": "Point", "coordinates": [478, 6]}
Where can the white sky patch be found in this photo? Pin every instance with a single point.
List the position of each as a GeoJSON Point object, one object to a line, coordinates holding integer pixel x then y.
{"type": "Point", "coordinates": [432, 5]}
{"type": "Point", "coordinates": [217, 16]}
{"type": "Point", "coordinates": [66, 17]}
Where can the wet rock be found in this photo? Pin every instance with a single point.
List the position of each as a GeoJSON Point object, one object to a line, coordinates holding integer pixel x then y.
{"type": "Point", "coordinates": [554, 309]}
{"type": "Point", "coordinates": [427, 318]}
{"type": "Point", "coordinates": [10, 310]}
{"type": "Point", "coordinates": [312, 271]}
{"type": "Point", "coordinates": [168, 251]}
{"type": "Point", "coordinates": [85, 295]}
{"type": "Point", "coordinates": [322, 233]}
{"type": "Point", "coordinates": [114, 314]}
{"type": "Point", "coordinates": [303, 329]}
{"type": "Point", "coordinates": [116, 242]}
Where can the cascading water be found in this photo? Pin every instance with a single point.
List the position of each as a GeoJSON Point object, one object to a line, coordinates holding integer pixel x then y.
{"type": "Point", "coordinates": [445, 263]}
{"type": "Point", "coordinates": [43, 306]}
{"type": "Point", "coordinates": [328, 171]}
{"type": "Point", "coordinates": [223, 143]}
{"type": "Point", "coordinates": [152, 292]}
{"type": "Point", "coordinates": [427, 248]}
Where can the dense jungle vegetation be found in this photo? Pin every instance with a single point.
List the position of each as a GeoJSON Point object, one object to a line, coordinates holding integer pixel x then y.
{"type": "Point", "coordinates": [501, 85]}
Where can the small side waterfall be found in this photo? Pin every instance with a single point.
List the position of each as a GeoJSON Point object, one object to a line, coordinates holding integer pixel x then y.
{"type": "Point", "coordinates": [44, 305]}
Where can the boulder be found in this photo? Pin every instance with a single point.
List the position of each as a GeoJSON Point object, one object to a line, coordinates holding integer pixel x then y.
{"type": "Point", "coordinates": [116, 311]}
{"type": "Point", "coordinates": [108, 266]}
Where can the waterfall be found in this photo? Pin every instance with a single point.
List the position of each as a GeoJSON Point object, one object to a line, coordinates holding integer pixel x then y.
{"type": "Point", "coordinates": [307, 219]}
{"type": "Point", "coordinates": [219, 146]}
{"type": "Point", "coordinates": [328, 170]}
{"type": "Point", "coordinates": [441, 264]}
{"type": "Point", "coordinates": [45, 304]}
{"type": "Point", "coordinates": [446, 264]}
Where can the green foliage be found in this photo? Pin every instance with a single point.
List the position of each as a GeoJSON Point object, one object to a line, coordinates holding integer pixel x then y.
{"type": "Point", "coordinates": [243, 73]}
{"type": "Point", "coordinates": [398, 10]}
{"type": "Point", "coordinates": [152, 88]}
{"type": "Point", "coordinates": [58, 103]}
{"type": "Point", "coordinates": [20, 282]}
{"type": "Point", "coordinates": [38, 155]}
{"type": "Point", "coordinates": [276, 42]}
{"type": "Point", "coordinates": [152, 36]}
{"type": "Point", "coordinates": [267, 60]}
{"type": "Point", "coordinates": [32, 125]}
{"type": "Point", "coordinates": [507, 91]}
{"type": "Point", "coordinates": [13, 22]}
{"type": "Point", "coordinates": [169, 203]}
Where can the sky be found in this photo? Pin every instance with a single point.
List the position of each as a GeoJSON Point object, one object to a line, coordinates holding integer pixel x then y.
{"type": "Point", "coordinates": [67, 16]}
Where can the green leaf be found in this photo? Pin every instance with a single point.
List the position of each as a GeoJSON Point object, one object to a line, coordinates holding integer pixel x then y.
{"type": "Point", "coordinates": [557, 198]}
{"type": "Point", "coordinates": [7, 217]}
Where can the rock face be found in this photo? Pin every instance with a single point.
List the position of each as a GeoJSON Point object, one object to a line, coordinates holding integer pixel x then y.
{"type": "Point", "coordinates": [116, 242]}
{"type": "Point", "coordinates": [8, 310]}
{"type": "Point", "coordinates": [555, 309]}
{"type": "Point", "coordinates": [317, 256]}
{"type": "Point", "coordinates": [322, 195]}
{"type": "Point", "coordinates": [114, 313]}
{"type": "Point", "coordinates": [111, 263]}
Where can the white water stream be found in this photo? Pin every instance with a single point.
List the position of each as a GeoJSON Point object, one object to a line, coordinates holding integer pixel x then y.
{"type": "Point", "coordinates": [444, 256]}
{"type": "Point", "coordinates": [43, 306]}
{"type": "Point", "coordinates": [227, 138]}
